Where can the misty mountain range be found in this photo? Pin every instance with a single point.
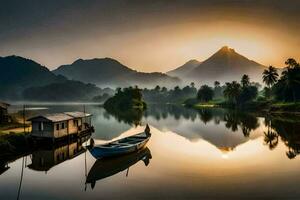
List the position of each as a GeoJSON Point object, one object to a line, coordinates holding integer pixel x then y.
{"type": "Point", "coordinates": [109, 72]}
{"type": "Point", "coordinates": [225, 65]}
{"type": "Point", "coordinates": [23, 78]}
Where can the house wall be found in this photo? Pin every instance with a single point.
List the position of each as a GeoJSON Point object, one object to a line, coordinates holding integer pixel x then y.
{"type": "Point", "coordinates": [72, 126]}
{"type": "Point", "coordinates": [62, 131]}
{"type": "Point", "coordinates": [78, 126]}
{"type": "Point", "coordinates": [3, 115]}
{"type": "Point", "coordinates": [49, 158]}
{"type": "Point", "coordinates": [47, 131]}
{"type": "Point", "coordinates": [43, 159]}
{"type": "Point", "coordinates": [87, 120]}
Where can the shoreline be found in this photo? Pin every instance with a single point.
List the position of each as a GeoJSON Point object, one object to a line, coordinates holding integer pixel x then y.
{"type": "Point", "coordinates": [261, 107]}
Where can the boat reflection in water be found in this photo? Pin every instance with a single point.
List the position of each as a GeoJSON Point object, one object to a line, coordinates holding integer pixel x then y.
{"type": "Point", "coordinates": [106, 167]}
{"type": "Point", "coordinates": [44, 159]}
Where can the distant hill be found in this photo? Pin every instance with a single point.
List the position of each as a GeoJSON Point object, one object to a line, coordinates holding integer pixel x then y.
{"type": "Point", "coordinates": [184, 69]}
{"type": "Point", "coordinates": [110, 72]}
{"type": "Point", "coordinates": [19, 74]}
{"type": "Point", "coordinates": [64, 91]}
{"type": "Point", "coordinates": [225, 65]}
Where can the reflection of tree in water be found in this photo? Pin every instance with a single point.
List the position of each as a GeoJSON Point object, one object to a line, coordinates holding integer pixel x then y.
{"type": "Point", "coordinates": [205, 115]}
{"type": "Point", "coordinates": [233, 119]}
{"type": "Point", "coordinates": [271, 139]}
{"type": "Point", "coordinates": [131, 117]}
{"type": "Point", "coordinates": [246, 122]}
{"type": "Point", "coordinates": [164, 111]}
{"type": "Point", "coordinates": [287, 128]}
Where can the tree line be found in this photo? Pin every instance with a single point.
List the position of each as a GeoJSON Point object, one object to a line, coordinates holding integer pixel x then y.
{"type": "Point", "coordinates": [236, 93]}
{"type": "Point", "coordinates": [278, 88]}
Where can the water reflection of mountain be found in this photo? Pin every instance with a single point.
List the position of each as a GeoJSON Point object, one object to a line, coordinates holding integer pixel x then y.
{"type": "Point", "coordinates": [222, 128]}
{"type": "Point", "coordinates": [107, 167]}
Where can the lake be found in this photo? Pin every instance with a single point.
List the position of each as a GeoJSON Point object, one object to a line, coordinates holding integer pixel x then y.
{"type": "Point", "coordinates": [192, 154]}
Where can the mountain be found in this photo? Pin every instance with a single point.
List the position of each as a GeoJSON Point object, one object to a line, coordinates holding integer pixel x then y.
{"type": "Point", "coordinates": [18, 73]}
{"type": "Point", "coordinates": [184, 69]}
{"type": "Point", "coordinates": [225, 65]}
{"type": "Point", "coordinates": [110, 72]}
{"type": "Point", "coordinates": [67, 91]}
{"type": "Point", "coordinates": [24, 72]}
{"type": "Point", "coordinates": [22, 77]}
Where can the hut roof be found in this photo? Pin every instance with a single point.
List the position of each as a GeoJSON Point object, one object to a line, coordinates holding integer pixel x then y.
{"type": "Point", "coordinates": [57, 117]}
{"type": "Point", "coordinates": [77, 114]}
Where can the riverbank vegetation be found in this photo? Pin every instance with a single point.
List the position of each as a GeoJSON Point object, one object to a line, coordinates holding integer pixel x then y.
{"type": "Point", "coordinates": [127, 105]}
{"type": "Point", "coordinates": [281, 94]}
{"type": "Point", "coordinates": [125, 99]}
{"type": "Point", "coordinates": [163, 95]}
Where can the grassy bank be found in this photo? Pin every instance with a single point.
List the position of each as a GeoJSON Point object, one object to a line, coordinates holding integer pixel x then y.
{"type": "Point", "coordinates": [260, 106]}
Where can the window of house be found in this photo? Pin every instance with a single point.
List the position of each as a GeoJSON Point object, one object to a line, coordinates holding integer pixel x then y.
{"type": "Point", "coordinates": [57, 127]}
{"type": "Point", "coordinates": [41, 126]}
{"type": "Point", "coordinates": [63, 125]}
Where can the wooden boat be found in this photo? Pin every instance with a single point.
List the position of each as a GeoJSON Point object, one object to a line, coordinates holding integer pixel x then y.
{"type": "Point", "coordinates": [122, 146]}
{"type": "Point", "coordinates": [107, 167]}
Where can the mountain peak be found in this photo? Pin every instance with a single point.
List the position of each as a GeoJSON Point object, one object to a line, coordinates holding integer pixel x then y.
{"type": "Point", "coordinates": [106, 59]}
{"type": "Point", "coordinates": [193, 62]}
{"type": "Point", "coordinates": [226, 49]}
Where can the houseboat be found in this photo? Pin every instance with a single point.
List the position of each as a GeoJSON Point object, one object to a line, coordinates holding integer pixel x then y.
{"type": "Point", "coordinates": [46, 157]}
{"type": "Point", "coordinates": [61, 125]}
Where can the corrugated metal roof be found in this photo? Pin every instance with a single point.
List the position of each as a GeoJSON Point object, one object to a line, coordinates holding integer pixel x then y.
{"type": "Point", "coordinates": [56, 117]}
{"type": "Point", "coordinates": [77, 114]}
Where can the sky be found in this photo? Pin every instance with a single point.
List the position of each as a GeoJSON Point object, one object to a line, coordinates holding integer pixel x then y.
{"type": "Point", "coordinates": [156, 35]}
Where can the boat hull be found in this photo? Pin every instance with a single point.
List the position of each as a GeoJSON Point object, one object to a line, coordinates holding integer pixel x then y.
{"type": "Point", "coordinates": [102, 151]}
{"type": "Point", "coordinates": [109, 166]}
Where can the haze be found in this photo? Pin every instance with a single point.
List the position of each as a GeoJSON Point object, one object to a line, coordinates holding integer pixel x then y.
{"type": "Point", "coordinates": [149, 35]}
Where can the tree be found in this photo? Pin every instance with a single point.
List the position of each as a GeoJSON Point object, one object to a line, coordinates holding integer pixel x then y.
{"type": "Point", "coordinates": [217, 84]}
{"type": "Point", "coordinates": [291, 63]}
{"type": "Point", "coordinates": [245, 81]}
{"type": "Point", "coordinates": [157, 88]}
{"type": "Point", "coordinates": [205, 93]}
{"type": "Point", "coordinates": [232, 91]}
{"type": "Point", "coordinates": [288, 85]}
{"type": "Point", "coordinates": [164, 89]}
{"type": "Point", "coordinates": [192, 84]}
{"type": "Point", "coordinates": [248, 94]}
{"type": "Point", "coordinates": [291, 76]}
{"type": "Point", "coordinates": [270, 76]}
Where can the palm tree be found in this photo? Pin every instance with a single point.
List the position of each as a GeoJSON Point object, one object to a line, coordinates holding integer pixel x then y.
{"type": "Point", "coordinates": [291, 63]}
{"type": "Point", "coordinates": [205, 93]}
{"type": "Point", "coordinates": [157, 88]}
{"type": "Point", "coordinates": [270, 76]}
{"type": "Point", "coordinates": [232, 91]}
{"type": "Point", "coordinates": [164, 89]}
{"type": "Point", "coordinates": [291, 77]}
{"type": "Point", "coordinates": [217, 84]}
{"type": "Point", "coordinates": [245, 80]}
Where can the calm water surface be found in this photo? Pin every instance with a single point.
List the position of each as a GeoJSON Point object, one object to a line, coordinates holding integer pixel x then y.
{"type": "Point", "coordinates": [209, 154]}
